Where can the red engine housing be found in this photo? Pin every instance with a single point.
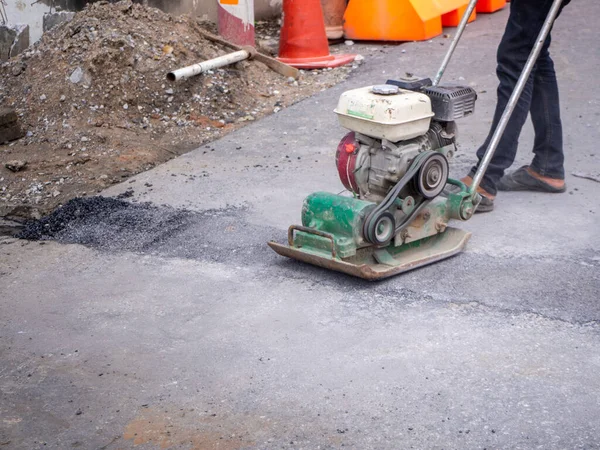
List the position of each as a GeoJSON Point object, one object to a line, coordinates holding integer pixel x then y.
{"type": "Point", "coordinates": [345, 161]}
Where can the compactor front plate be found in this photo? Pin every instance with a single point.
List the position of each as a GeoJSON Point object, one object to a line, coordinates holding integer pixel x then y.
{"type": "Point", "coordinates": [371, 263]}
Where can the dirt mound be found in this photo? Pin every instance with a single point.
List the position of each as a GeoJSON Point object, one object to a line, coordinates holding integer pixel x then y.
{"type": "Point", "coordinates": [94, 100]}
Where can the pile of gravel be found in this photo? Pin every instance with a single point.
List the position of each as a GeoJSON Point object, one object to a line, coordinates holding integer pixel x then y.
{"type": "Point", "coordinates": [108, 223]}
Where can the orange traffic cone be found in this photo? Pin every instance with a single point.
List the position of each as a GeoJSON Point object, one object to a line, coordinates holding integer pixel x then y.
{"type": "Point", "coordinates": [303, 42]}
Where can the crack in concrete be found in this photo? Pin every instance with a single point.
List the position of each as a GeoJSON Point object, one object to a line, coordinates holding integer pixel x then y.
{"type": "Point", "coordinates": [594, 324]}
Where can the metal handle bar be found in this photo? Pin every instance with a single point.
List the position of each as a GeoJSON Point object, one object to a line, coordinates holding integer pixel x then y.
{"type": "Point", "coordinates": [314, 231]}
{"type": "Point", "coordinates": [459, 31]}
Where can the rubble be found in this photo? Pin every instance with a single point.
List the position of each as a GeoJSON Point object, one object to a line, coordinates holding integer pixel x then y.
{"type": "Point", "coordinates": [102, 75]}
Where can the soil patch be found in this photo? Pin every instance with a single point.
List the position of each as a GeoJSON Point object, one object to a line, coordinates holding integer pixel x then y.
{"type": "Point", "coordinates": [93, 99]}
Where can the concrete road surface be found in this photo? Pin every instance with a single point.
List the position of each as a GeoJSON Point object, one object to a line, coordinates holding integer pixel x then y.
{"type": "Point", "coordinates": [177, 327]}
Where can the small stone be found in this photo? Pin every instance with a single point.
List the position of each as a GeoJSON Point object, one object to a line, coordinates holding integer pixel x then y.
{"type": "Point", "coordinates": [55, 193]}
{"type": "Point", "coordinates": [169, 91]}
{"type": "Point", "coordinates": [125, 106]}
{"type": "Point", "coordinates": [16, 165]}
{"type": "Point", "coordinates": [104, 177]}
{"type": "Point", "coordinates": [349, 42]}
{"type": "Point", "coordinates": [290, 80]}
{"type": "Point", "coordinates": [18, 69]}
{"type": "Point", "coordinates": [29, 134]}
{"type": "Point", "coordinates": [43, 97]}
{"type": "Point", "coordinates": [84, 139]}
{"type": "Point", "coordinates": [170, 99]}
{"type": "Point", "coordinates": [76, 76]}
{"type": "Point", "coordinates": [359, 58]}
{"type": "Point", "coordinates": [62, 98]}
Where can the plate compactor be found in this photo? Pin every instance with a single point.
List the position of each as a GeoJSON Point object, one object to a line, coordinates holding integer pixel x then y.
{"type": "Point", "coordinates": [394, 164]}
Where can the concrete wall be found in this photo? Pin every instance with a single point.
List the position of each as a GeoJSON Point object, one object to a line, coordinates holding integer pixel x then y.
{"type": "Point", "coordinates": [263, 9]}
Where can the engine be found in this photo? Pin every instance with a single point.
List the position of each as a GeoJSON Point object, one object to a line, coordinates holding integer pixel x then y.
{"type": "Point", "coordinates": [390, 127]}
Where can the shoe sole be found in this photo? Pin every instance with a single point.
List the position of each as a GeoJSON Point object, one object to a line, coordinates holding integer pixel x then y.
{"type": "Point", "coordinates": [521, 180]}
{"type": "Point", "coordinates": [547, 189]}
{"type": "Point", "coordinates": [484, 208]}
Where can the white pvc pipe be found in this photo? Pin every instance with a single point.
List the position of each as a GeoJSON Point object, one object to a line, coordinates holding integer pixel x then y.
{"type": "Point", "coordinates": [196, 69]}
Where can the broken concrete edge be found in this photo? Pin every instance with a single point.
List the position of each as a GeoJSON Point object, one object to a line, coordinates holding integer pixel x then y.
{"type": "Point", "coordinates": [14, 39]}
{"type": "Point", "coordinates": [21, 42]}
{"type": "Point", "coordinates": [50, 20]}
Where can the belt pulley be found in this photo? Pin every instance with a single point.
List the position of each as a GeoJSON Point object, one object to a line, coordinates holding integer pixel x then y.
{"type": "Point", "coordinates": [429, 170]}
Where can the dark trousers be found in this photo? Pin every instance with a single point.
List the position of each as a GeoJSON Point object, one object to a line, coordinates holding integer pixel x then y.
{"type": "Point", "coordinates": [539, 98]}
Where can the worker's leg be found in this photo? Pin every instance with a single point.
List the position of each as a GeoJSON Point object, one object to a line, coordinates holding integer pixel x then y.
{"type": "Point", "coordinates": [524, 24]}
{"type": "Point", "coordinates": [545, 115]}
{"type": "Point", "coordinates": [546, 172]}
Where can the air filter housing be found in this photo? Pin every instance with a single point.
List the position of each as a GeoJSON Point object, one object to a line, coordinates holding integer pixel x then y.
{"type": "Point", "coordinates": [451, 103]}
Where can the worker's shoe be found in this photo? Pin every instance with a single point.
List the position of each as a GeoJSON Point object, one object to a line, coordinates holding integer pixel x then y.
{"type": "Point", "coordinates": [487, 200]}
{"type": "Point", "coordinates": [526, 179]}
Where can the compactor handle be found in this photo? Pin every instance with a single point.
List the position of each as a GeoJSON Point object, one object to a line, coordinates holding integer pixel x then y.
{"type": "Point", "coordinates": [459, 31]}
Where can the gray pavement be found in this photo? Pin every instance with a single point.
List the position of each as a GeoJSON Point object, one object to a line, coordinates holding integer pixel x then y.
{"type": "Point", "coordinates": [193, 334]}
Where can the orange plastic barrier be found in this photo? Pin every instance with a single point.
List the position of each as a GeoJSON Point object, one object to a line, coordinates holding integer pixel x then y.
{"type": "Point", "coordinates": [490, 6]}
{"type": "Point", "coordinates": [452, 19]}
{"type": "Point", "coordinates": [397, 20]}
{"type": "Point", "coordinates": [303, 42]}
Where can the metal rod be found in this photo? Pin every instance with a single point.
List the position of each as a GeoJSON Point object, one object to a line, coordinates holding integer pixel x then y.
{"type": "Point", "coordinates": [514, 98]}
{"type": "Point", "coordinates": [459, 31]}
{"type": "Point", "coordinates": [196, 69]}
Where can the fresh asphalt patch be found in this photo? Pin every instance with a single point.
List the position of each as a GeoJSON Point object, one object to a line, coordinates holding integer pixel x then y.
{"type": "Point", "coordinates": [225, 236]}
{"type": "Point", "coordinates": [115, 225]}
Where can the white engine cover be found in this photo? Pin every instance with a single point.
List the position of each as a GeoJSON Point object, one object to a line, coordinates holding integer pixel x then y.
{"type": "Point", "coordinates": [395, 117]}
